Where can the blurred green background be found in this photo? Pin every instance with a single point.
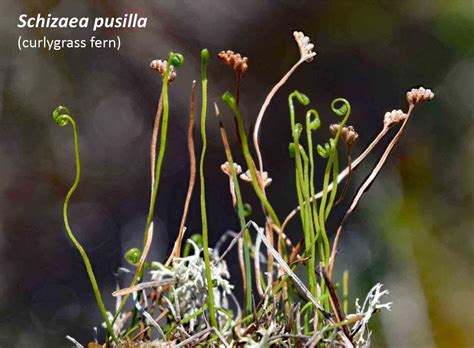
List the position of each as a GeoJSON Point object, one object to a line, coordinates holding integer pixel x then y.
{"type": "Point", "coordinates": [412, 231]}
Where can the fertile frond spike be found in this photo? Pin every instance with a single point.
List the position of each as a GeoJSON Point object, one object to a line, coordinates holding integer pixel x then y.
{"type": "Point", "coordinates": [234, 60]}
{"type": "Point", "coordinates": [160, 66]}
{"type": "Point", "coordinates": [393, 117]}
{"type": "Point", "coordinates": [418, 95]}
{"type": "Point", "coordinates": [247, 177]}
{"type": "Point", "coordinates": [348, 133]}
{"type": "Point", "coordinates": [305, 46]}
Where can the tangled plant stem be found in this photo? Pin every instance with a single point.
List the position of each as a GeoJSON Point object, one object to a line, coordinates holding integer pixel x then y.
{"type": "Point", "coordinates": [62, 117]}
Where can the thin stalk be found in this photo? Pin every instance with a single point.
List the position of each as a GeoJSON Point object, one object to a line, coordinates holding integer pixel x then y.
{"type": "Point", "coordinates": [264, 107]}
{"type": "Point", "coordinates": [62, 120]}
{"type": "Point", "coordinates": [322, 214]}
{"type": "Point", "coordinates": [192, 177]}
{"type": "Point", "coordinates": [335, 171]}
{"type": "Point", "coordinates": [315, 240]}
{"type": "Point", "coordinates": [205, 237]}
{"type": "Point", "coordinates": [156, 182]}
{"type": "Point", "coordinates": [348, 179]}
{"type": "Point", "coordinates": [364, 187]}
{"type": "Point", "coordinates": [154, 138]}
{"type": "Point", "coordinates": [345, 291]}
{"type": "Point", "coordinates": [306, 213]}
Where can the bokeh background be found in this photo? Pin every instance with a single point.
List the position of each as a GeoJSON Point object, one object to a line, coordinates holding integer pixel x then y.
{"type": "Point", "coordinates": [412, 231]}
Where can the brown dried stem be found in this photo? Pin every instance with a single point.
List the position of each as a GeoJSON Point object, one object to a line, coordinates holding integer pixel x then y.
{"type": "Point", "coordinates": [334, 300]}
{"type": "Point", "coordinates": [349, 175]}
{"type": "Point", "coordinates": [364, 187]}
{"type": "Point", "coordinates": [154, 138]}
{"type": "Point", "coordinates": [192, 177]}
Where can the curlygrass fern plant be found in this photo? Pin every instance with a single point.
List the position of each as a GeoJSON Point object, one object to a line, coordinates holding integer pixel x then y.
{"type": "Point", "coordinates": [186, 301]}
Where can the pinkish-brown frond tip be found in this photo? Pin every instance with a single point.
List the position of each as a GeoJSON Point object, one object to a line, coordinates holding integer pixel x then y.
{"type": "Point", "coordinates": [160, 66]}
{"type": "Point", "coordinates": [234, 60]}
{"type": "Point", "coordinates": [418, 95]}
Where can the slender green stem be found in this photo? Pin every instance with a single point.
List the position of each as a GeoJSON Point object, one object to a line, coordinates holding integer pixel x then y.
{"type": "Point", "coordinates": [241, 214]}
{"type": "Point", "coordinates": [331, 152]}
{"type": "Point", "coordinates": [205, 237]}
{"type": "Point", "coordinates": [335, 173]}
{"type": "Point", "coordinates": [230, 101]}
{"type": "Point", "coordinates": [174, 59]}
{"type": "Point", "coordinates": [322, 205]}
{"type": "Point", "coordinates": [62, 120]}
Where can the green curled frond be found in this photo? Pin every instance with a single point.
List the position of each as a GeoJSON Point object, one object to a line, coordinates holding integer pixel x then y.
{"type": "Point", "coordinates": [247, 210]}
{"type": "Point", "coordinates": [229, 99]}
{"type": "Point", "coordinates": [133, 256]}
{"type": "Point", "coordinates": [301, 98]}
{"type": "Point", "coordinates": [61, 115]}
{"type": "Point", "coordinates": [197, 238]}
{"type": "Point", "coordinates": [341, 110]}
{"type": "Point", "coordinates": [328, 148]}
{"type": "Point", "coordinates": [298, 129]}
{"type": "Point", "coordinates": [177, 60]}
{"type": "Point", "coordinates": [313, 121]}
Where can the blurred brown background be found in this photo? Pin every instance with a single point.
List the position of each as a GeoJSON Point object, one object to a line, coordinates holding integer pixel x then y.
{"type": "Point", "coordinates": [413, 230]}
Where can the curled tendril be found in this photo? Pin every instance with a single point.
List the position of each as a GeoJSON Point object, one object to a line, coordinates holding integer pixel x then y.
{"type": "Point", "coordinates": [298, 129]}
{"type": "Point", "coordinates": [61, 115]}
{"type": "Point", "coordinates": [301, 98]}
{"type": "Point", "coordinates": [177, 60]}
{"type": "Point", "coordinates": [312, 123]}
{"type": "Point", "coordinates": [343, 110]}
{"type": "Point", "coordinates": [133, 256]}
{"type": "Point", "coordinates": [328, 148]}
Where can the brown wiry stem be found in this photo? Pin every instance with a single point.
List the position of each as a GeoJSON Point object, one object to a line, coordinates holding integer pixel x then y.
{"type": "Point", "coordinates": [192, 177]}
{"type": "Point", "coordinates": [334, 300]}
{"type": "Point", "coordinates": [238, 78]}
{"type": "Point", "coordinates": [349, 175]}
{"type": "Point", "coordinates": [154, 138]}
{"type": "Point", "coordinates": [364, 187]}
